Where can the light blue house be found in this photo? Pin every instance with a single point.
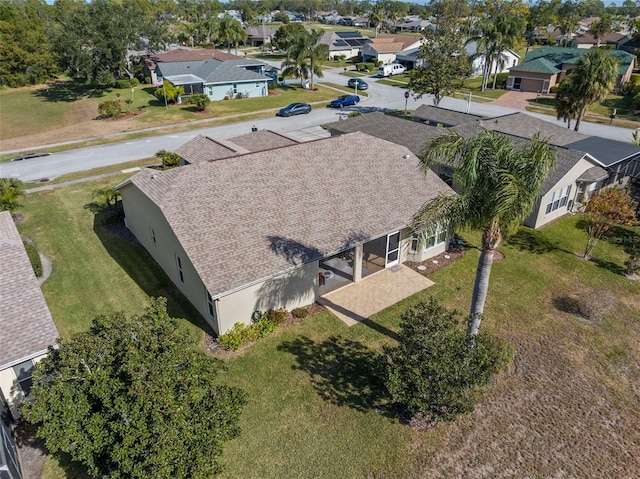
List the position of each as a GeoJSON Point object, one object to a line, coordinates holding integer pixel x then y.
{"type": "Point", "coordinates": [219, 80]}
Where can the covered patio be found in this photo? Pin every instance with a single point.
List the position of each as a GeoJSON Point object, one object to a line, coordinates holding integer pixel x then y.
{"type": "Point", "coordinates": [358, 301]}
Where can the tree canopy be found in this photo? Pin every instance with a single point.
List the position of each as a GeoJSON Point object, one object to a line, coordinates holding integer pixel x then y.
{"type": "Point", "coordinates": [133, 398]}
{"type": "Point", "coordinates": [444, 64]}
{"type": "Point", "coordinates": [499, 183]}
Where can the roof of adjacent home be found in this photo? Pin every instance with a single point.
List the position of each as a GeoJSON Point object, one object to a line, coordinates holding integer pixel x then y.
{"type": "Point", "coordinates": [203, 148]}
{"type": "Point", "coordinates": [411, 134]}
{"type": "Point", "coordinates": [526, 126]}
{"type": "Point", "coordinates": [557, 56]}
{"type": "Point", "coordinates": [26, 326]}
{"type": "Point", "coordinates": [289, 206]}
{"type": "Point", "coordinates": [391, 43]}
{"type": "Point", "coordinates": [593, 174]}
{"type": "Point", "coordinates": [588, 38]}
{"type": "Point", "coordinates": [185, 55]}
{"type": "Point", "coordinates": [444, 116]}
{"type": "Point", "coordinates": [213, 71]}
{"type": "Point", "coordinates": [607, 152]}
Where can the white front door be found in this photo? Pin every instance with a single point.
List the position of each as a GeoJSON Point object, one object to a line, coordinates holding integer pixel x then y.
{"type": "Point", "coordinates": [393, 249]}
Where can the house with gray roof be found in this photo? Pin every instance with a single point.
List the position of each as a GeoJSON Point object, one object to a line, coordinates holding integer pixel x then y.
{"type": "Point", "coordinates": [283, 226]}
{"type": "Point", "coordinates": [218, 79]}
{"type": "Point", "coordinates": [573, 179]}
{"type": "Point", "coordinates": [26, 325]}
{"type": "Point", "coordinates": [545, 67]}
{"type": "Point", "coordinates": [203, 148]}
{"type": "Point", "coordinates": [438, 116]}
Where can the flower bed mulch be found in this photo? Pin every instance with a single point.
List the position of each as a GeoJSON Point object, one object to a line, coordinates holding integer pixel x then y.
{"type": "Point", "coordinates": [433, 264]}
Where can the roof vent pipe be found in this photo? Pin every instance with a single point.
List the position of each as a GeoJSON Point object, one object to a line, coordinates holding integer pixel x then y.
{"type": "Point", "coordinates": [406, 156]}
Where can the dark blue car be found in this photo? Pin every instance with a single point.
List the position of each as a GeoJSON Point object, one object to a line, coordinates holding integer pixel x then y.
{"type": "Point", "coordinates": [344, 100]}
{"type": "Point", "coordinates": [295, 109]}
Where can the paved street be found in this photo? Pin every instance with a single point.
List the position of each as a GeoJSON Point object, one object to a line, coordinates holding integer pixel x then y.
{"type": "Point", "coordinates": [380, 97]}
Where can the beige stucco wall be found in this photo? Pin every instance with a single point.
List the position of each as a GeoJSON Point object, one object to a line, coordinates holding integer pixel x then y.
{"type": "Point", "coordinates": [10, 388]}
{"type": "Point", "coordinates": [538, 217]}
{"type": "Point", "coordinates": [291, 290]}
{"type": "Point", "coordinates": [423, 253]}
{"type": "Point", "coordinates": [141, 215]}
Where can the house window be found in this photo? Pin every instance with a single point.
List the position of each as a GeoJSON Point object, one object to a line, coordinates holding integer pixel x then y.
{"type": "Point", "coordinates": [257, 85]}
{"type": "Point", "coordinates": [414, 243]}
{"type": "Point", "coordinates": [235, 88]}
{"type": "Point", "coordinates": [24, 372]}
{"type": "Point", "coordinates": [435, 237]}
{"type": "Point", "coordinates": [212, 310]}
{"type": "Point", "coordinates": [179, 264]}
{"type": "Point", "coordinates": [153, 236]}
{"type": "Point", "coordinates": [559, 199]}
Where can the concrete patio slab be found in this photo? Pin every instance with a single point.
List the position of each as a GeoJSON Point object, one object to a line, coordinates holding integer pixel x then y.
{"type": "Point", "coordinates": [358, 301]}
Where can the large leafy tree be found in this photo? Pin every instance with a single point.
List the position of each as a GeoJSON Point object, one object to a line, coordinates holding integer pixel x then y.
{"type": "Point", "coordinates": [286, 34]}
{"type": "Point", "coordinates": [24, 47]}
{"type": "Point", "coordinates": [133, 398]}
{"type": "Point", "coordinates": [605, 209]}
{"type": "Point", "coordinates": [499, 183]}
{"type": "Point", "coordinates": [594, 77]}
{"type": "Point", "coordinates": [444, 62]}
{"type": "Point", "coordinates": [305, 56]}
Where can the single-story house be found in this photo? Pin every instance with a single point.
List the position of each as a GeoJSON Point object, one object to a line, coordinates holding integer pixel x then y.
{"type": "Point", "coordinates": [587, 40]}
{"type": "Point", "coordinates": [26, 325]}
{"type": "Point", "coordinates": [508, 59]}
{"type": "Point", "coordinates": [258, 36]}
{"type": "Point", "coordinates": [418, 25]}
{"type": "Point", "coordinates": [203, 148]}
{"type": "Point", "coordinates": [347, 43]}
{"type": "Point", "coordinates": [574, 177]}
{"type": "Point", "coordinates": [548, 66]}
{"type": "Point", "coordinates": [218, 79]}
{"type": "Point", "coordinates": [386, 46]}
{"type": "Point", "coordinates": [281, 227]}
{"type": "Point", "coordinates": [438, 116]}
{"type": "Point", "coordinates": [182, 55]}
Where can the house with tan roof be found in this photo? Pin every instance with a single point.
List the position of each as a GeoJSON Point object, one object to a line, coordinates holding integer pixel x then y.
{"type": "Point", "coordinates": [26, 325]}
{"type": "Point", "coordinates": [284, 226]}
{"type": "Point", "coordinates": [386, 46]}
{"type": "Point", "coordinates": [588, 40]}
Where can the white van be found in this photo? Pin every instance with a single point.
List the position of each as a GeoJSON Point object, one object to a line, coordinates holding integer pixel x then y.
{"type": "Point", "coordinates": [391, 69]}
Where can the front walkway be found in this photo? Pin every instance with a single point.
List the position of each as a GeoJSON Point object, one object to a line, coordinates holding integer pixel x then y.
{"type": "Point", "coordinates": [358, 301]}
{"type": "Point", "coordinates": [516, 99]}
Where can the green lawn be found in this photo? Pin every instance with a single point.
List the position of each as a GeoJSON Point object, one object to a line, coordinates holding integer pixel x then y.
{"type": "Point", "coordinates": [313, 387]}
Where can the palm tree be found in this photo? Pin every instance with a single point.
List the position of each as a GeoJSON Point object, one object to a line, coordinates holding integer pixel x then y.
{"type": "Point", "coordinates": [567, 105]}
{"type": "Point", "coordinates": [599, 29]}
{"type": "Point", "coordinates": [509, 30]}
{"type": "Point", "coordinates": [376, 16]}
{"type": "Point", "coordinates": [499, 184]}
{"type": "Point", "coordinates": [11, 190]}
{"type": "Point", "coordinates": [595, 77]}
{"type": "Point", "coordinates": [231, 32]}
{"type": "Point", "coordinates": [305, 56]}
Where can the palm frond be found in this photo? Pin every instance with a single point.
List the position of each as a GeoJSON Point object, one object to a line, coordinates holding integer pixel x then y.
{"type": "Point", "coordinates": [445, 209]}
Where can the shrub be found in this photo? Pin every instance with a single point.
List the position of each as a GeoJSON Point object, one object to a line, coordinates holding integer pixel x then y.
{"type": "Point", "coordinates": [300, 313]}
{"type": "Point", "coordinates": [104, 79]}
{"type": "Point", "coordinates": [123, 83]}
{"type": "Point", "coordinates": [275, 316]}
{"type": "Point", "coordinates": [169, 159]}
{"type": "Point", "coordinates": [361, 67]}
{"type": "Point", "coordinates": [554, 88]}
{"type": "Point", "coordinates": [34, 258]}
{"type": "Point", "coordinates": [234, 338]}
{"type": "Point", "coordinates": [354, 114]}
{"type": "Point", "coordinates": [147, 80]}
{"type": "Point", "coordinates": [242, 333]}
{"type": "Point", "coordinates": [110, 109]}
{"type": "Point", "coordinates": [134, 82]}
{"type": "Point", "coordinates": [435, 371]}
{"type": "Point", "coordinates": [200, 100]}
{"type": "Point", "coordinates": [632, 264]}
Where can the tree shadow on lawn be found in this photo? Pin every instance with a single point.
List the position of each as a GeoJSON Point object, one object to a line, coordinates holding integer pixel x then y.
{"type": "Point", "coordinates": [68, 91]}
{"type": "Point", "coordinates": [533, 241]}
{"type": "Point", "coordinates": [342, 371]}
{"type": "Point", "coordinates": [138, 264]}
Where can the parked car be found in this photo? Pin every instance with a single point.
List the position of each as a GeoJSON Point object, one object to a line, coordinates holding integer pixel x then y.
{"type": "Point", "coordinates": [295, 109]}
{"type": "Point", "coordinates": [30, 155]}
{"type": "Point", "coordinates": [344, 100]}
{"type": "Point", "coordinates": [357, 82]}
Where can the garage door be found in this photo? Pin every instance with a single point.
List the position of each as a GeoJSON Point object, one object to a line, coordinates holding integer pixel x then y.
{"type": "Point", "coordinates": [531, 84]}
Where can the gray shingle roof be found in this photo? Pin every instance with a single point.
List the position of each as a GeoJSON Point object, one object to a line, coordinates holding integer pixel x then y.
{"type": "Point", "coordinates": [411, 134]}
{"type": "Point", "coordinates": [202, 149]}
{"type": "Point", "coordinates": [232, 216]}
{"type": "Point", "coordinates": [262, 140]}
{"type": "Point", "coordinates": [526, 126]}
{"type": "Point", "coordinates": [606, 151]}
{"type": "Point", "coordinates": [26, 326]}
{"type": "Point", "coordinates": [593, 174]}
{"type": "Point", "coordinates": [443, 116]}
{"type": "Point", "coordinates": [213, 71]}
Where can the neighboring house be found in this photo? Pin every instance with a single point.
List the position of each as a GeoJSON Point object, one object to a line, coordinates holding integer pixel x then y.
{"type": "Point", "coordinates": [587, 40]}
{"type": "Point", "coordinates": [386, 46]}
{"type": "Point", "coordinates": [254, 231]}
{"type": "Point", "coordinates": [508, 59]}
{"type": "Point", "coordinates": [203, 148]}
{"type": "Point", "coordinates": [438, 116]}
{"type": "Point", "coordinates": [347, 44]}
{"type": "Point", "coordinates": [258, 36]}
{"type": "Point", "coordinates": [548, 66]}
{"type": "Point", "coordinates": [218, 79]}
{"type": "Point", "coordinates": [585, 23]}
{"type": "Point", "coordinates": [410, 59]}
{"type": "Point", "coordinates": [26, 326]}
{"type": "Point", "coordinates": [414, 26]}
